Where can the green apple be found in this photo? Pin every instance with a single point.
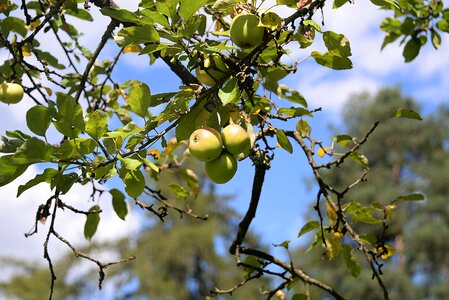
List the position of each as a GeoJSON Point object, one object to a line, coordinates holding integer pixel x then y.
{"type": "Point", "coordinates": [11, 93]}
{"type": "Point", "coordinates": [236, 140]}
{"type": "Point", "coordinates": [205, 144]}
{"type": "Point", "coordinates": [222, 169]}
{"type": "Point", "coordinates": [213, 69]}
{"type": "Point", "coordinates": [244, 30]}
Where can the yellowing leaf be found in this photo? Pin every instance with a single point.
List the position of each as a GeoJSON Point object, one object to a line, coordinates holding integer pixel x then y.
{"type": "Point", "coordinates": [155, 153]}
{"type": "Point", "coordinates": [321, 152]}
{"type": "Point", "coordinates": [132, 49]}
{"type": "Point", "coordinates": [331, 212]}
{"type": "Point", "coordinates": [26, 51]}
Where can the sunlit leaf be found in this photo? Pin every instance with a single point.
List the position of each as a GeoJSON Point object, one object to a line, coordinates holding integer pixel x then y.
{"type": "Point", "coordinates": [96, 124]}
{"type": "Point", "coordinates": [188, 8]}
{"type": "Point", "coordinates": [64, 182]}
{"type": "Point", "coordinates": [46, 176]}
{"type": "Point", "coordinates": [69, 119]}
{"type": "Point", "coordinates": [139, 99]}
{"type": "Point", "coordinates": [303, 128]}
{"type": "Point", "coordinates": [134, 182]}
{"type": "Point", "coordinates": [411, 197]}
{"type": "Point", "coordinates": [350, 260]}
{"type": "Point", "coordinates": [309, 226]}
{"type": "Point", "coordinates": [229, 93]}
{"type": "Point", "coordinates": [119, 203]}
{"type": "Point", "coordinates": [406, 113]}
{"type": "Point", "coordinates": [92, 221]}
{"type": "Point", "coordinates": [283, 141]}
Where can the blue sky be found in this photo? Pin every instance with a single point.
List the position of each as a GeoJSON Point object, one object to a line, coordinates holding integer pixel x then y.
{"type": "Point", "coordinates": [285, 197]}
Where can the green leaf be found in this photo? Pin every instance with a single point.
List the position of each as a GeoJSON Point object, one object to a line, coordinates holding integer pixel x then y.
{"type": "Point", "coordinates": [271, 20]}
{"type": "Point", "coordinates": [119, 203]}
{"type": "Point", "coordinates": [64, 182]}
{"type": "Point", "coordinates": [80, 14]}
{"type": "Point", "coordinates": [337, 43]}
{"type": "Point", "coordinates": [10, 145]}
{"type": "Point", "coordinates": [97, 124]}
{"type": "Point", "coordinates": [411, 49]}
{"type": "Point", "coordinates": [284, 244]}
{"type": "Point", "coordinates": [48, 58]}
{"type": "Point", "coordinates": [138, 35]}
{"type": "Point", "coordinates": [14, 24]}
{"type": "Point", "coordinates": [344, 140]}
{"type": "Point", "coordinates": [76, 148]}
{"type": "Point", "coordinates": [313, 24]}
{"type": "Point", "coordinates": [360, 158]}
{"type": "Point", "coordinates": [130, 163]}
{"type": "Point", "coordinates": [47, 177]}
{"type": "Point", "coordinates": [189, 7]}
{"type": "Point", "coordinates": [120, 14]}
{"type": "Point", "coordinates": [388, 4]}
{"type": "Point", "coordinates": [9, 171]}
{"type": "Point", "coordinates": [332, 60]}
{"type": "Point", "coordinates": [167, 7]}
{"type": "Point", "coordinates": [290, 3]}
{"type": "Point", "coordinates": [92, 221]}
{"type": "Point", "coordinates": [411, 197]}
{"type": "Point", "coordinates": [69, 119]}
{"type": "Point", "coordinates": [436, 39]}
{"type": "Point", "coordinates": [291, 95]}
{"type": "Point", "coordinates": [339, 3]}
{"type": "Point", "coordinates": [189, 122]}
{"type": "Point", "coordinates": [150, 164]}
{"type": "Point", "coordinates": [105, 172]}
{"type": "Point", "coordinates": [33, 151]}
{"type": "Point", "coordinates": [230, 92]}
{"type": "Point", "coordinates": [303, 128]}
{"type": "Point", "coordinates": [352, 265]}
{"type": "Point", "coordinates": [179, 191]}
{"type": "Point", "coordinates": [406, 113]}
{"type": "Point", "coordinates": [443, 25]}
{"type": "Point", "coordinates": [283, 141]}
{"type": "Point", "coordinates": [309, 226]}
{"type": "Point", "coordinates": [38, 119]}
{"type": "Point", "coordinates": [300, 297]}
{"type": "Point", "coordinates": [134, 182]}
{"type": "Point", "coordinates": [139, 99]}
{"type": "Point", "coordinates": [295, 112]}
{"type": "Point", "coordinates": [18, 135]}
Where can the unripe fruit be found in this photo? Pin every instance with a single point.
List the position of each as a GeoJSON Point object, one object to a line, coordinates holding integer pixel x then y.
{"type": "Point", "coordinates": [222, 169]}
{"type": "Point", "coordinates": [11, 93]}
{"type": "Point", "coordinates": [212, 70]}
{"type": "Point", "coordinates": [236, 140]}
{"type": "Point", "coordinates": [205, 144]}
{"type": "Point", "coordinates": [244, 31]}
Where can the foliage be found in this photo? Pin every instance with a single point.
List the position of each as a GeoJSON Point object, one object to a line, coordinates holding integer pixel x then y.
{"type": "Point", "coordinates": [79, 98]}
{"type": "Point", "coordinates": [415, 162]}
{"type": "Point", "coordinates": [181, 258]}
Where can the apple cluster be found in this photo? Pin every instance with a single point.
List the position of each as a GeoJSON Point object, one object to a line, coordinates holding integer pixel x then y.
{"type": "Point", "coordinates": [245, 33]}
{"type": "Point", "coordinates": [218, 150]}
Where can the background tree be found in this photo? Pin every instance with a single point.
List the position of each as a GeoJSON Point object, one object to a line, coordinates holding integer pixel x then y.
{"type": "Point", "coordinates": [404, 157]}
{"type": "Point", "coordinates": [229, 57]}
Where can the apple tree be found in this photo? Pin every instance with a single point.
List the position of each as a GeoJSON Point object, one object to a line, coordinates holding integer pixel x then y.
{"type": "Point", "coordinates": [229, 56]}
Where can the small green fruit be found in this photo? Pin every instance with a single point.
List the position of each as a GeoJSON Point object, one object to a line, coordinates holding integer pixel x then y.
{"type": "Point", "coordinates": [222, 169]}
{"type": "Point", "coordinates": [244, 31]}
{"type": "Point", "coordinates": [212, 70]}
{"type": "Point", "coordinates": [11, 93]}
{"type": "Point", "coordinates": [236, 140]}
{"type": "Point", "coordinates": [205, 144]}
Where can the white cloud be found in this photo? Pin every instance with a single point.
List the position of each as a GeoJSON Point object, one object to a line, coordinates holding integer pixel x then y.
{"type": "Point", "coordinates": [18, 214]}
